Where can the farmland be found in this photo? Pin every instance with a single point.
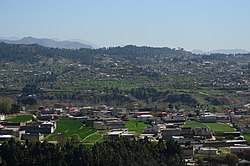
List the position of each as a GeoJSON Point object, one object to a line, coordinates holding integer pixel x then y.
{"type": "Point", "coordinates": [70, 128]}
{"type": "Point", "coordinates": [216, 127]}
{"type": "Point", "coordinates": [95, 137]}
{"type": "Point", "coordinates": [194, 124]}
{"type": "Point", "coordinates": [135, 126]}
{"type": "Point", "coordinates": [20, 118]}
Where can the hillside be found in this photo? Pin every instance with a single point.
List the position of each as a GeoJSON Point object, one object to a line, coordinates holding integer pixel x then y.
{"type": "Point", "coordinates": [143, 76]}
{"type": "Point", "coordinates": [48, 43]}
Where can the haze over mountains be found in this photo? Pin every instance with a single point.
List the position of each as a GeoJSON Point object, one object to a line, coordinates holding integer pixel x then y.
{"type": "Point", "coordinates": [221, 51]}
{"type": "Point", "coordinates": [76, 44]}
{"type": "Point", "coordinates": [48, 43]}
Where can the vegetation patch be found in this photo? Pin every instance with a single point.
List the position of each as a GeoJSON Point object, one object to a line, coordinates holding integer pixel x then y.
{"type": "Point", "coordinates": [216, 127]}
{"type": "Point", "coordinates": [20, 118]}
{"type": "Point", "coordinates": [247, 137]}
{"type": "Point", "coordinates": [70, 128]}
{"type": "Point", "coordinates": [220, 127]}
{"type": "Point", "coordinates": [93, 138]}
{"type": "Point", "coordinates": [194, 124]}
{"type": "Point", "coordinates": [135, 126]}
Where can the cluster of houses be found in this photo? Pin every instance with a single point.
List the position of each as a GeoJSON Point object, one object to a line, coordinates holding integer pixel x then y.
{"type": "Point", "coordinates": [166, 125]}
{"type": "Point", "coordinates": [169, 125]}
{"type": "Point", "coordinates": [42, 124]}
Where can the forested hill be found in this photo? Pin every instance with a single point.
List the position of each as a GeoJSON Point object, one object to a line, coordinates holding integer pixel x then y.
{"type": "Point", "coordinates": [121, 75]}
{"type": "Point", "coordinates": [34, 53]}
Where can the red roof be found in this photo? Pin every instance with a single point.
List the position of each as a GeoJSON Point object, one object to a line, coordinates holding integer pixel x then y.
{"type": "Point", "coordinates": [42, 108]}
{"type": "Point", "coordinates": [142, 113]}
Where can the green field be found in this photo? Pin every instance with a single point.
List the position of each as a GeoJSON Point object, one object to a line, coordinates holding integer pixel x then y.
{"type": "Point", "coordinates": [137, 127]}
{"type": "Point", "coordinates": [194, 124]}
{"type": "Point", "coordinates": [93, 138]}
{"type": "Point", "coordinates": [247, 137]}
{"type": "Point", "coordinates": [219, 127]}
{"type": "Point", "coordinates": [20, 118]}
{"type": "Point", "coordinates": [216, 127]}
{"type": "Point", "coordinates": [70, 128]}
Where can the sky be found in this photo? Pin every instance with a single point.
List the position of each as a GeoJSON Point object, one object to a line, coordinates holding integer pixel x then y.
{"type": "Point", "coordinates": [189, 24]}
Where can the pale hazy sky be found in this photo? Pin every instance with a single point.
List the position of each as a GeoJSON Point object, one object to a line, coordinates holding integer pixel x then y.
{"type": "Point", "coordinates": [191, 24]}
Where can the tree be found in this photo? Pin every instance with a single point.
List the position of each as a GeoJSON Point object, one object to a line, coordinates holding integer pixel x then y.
{"type": "Point", "coordinates": [61, 139]}
{"type": "Point", "coordinates": [200, 161]}
{"type": "Point", "coordinates": [16, 108]}
{"type": "Point", "coordinates": [231, 159]}
{"type": "Point", "coordinates": [5, 105]}
{"type": "Point", "coordinates": [75, 138]}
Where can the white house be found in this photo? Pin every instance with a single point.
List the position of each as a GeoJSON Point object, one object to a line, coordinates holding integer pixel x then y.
{"type": "Point", "coordinates": [208, 151]}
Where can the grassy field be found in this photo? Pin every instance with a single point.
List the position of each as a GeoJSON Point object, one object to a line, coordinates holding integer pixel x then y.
{"type": "Point", "coordinates": [216, 127]}
{"type": "Point", "coordinates": [20, 118]}
{"type": "Point", "coordinates": [219, 127]}
{"type": "Point", "coordinates": [93, 138]}
{"type": "Point", "coordinates": [194, 124]}
{"type": "Point", "coordinates": [247, 137]}
{"type": "Point", "coordinates": [137, 127]}
{"type": "Point", "coordinates": [70, 128]}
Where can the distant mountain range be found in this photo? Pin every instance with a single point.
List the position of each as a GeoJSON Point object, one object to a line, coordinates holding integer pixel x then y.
{"type": "Point", "coordinates": [47, 43]}
{"type": "Point", "coordinates": [221, 51]}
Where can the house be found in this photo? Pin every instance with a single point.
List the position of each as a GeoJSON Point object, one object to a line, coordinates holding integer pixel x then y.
{"type": "Point", "coordinates": [37, 136]}
{"type": "Point", "coordinates": [47, 127]}
{"type": "Point", "coordinates": [239, 149]}
{"type": "Point", "coordinates": [187, 132]}
{"type": "Point", "coordinates": [12, 124]}
{"type": "Point", "coordinates": [144, 118]}
{"type": "Point", "coordinates": [150, 137]}
{"type": "Point", "coordinates": [40, 127]}
{"type": "Point", "coordinates": [181, 140]}
{"type": "Point", "coordinates": [168, 133]}
{"type": "Point", "coordinates": [246, 129]}
{"type": "Point", "coordinates": [99, 125]}
{"type": "Point", "coordinates": [222, 118]}
{"type": "Point", "coordinates": [2, 117]}
{"type": "Point", "coordinates": [188, 150]}
{"type": "Point", "coordinates": [203, 132]}
{"type": "Point", "coordinates": [207, 117]}
{"type": "Point", "coordinates": [240, 112]}
{"type": "Point", "coordinates": [116, 133]}
{"type": "Point", "coordinates": [234, 134]}
{"type": "Point", "coordinates": [191, 162]}
{"type": "Point", "coordinates": [12, 131]}
{"type": "Point", "coordinates": [208, 151]}
{"type": "Point", "coordinates": [6, 137]}
{"type": "Point", "coordinates": [173, 118]}
{"type": "Point", "coordinates": [244, 163]}
{"type": "Point", "coordinates": [115, 124]}
{"type": "Point", "coordinates": [150, 130]}
{"type": "Point", "coordinates": [47, 117]}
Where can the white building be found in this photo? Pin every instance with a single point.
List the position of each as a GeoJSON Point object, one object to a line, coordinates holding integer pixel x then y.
{"type": "Point", "coordinates": [144, 118]}
{"type": "Point", "coordinates": [208, 151]}
{"type": "Point", "coordinates": [239, 149]}
{"type": "Point", "coordinates": [2, 117]}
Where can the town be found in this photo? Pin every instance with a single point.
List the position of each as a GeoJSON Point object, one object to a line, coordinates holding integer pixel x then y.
{"type": "Point", "coordinates": [199, 132]}
{"type": "Point", "coordinates": [201, 102]}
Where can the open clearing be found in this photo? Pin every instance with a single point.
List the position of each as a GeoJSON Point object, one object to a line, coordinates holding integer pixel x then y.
{"type": "Point", "coordinates": [135, 126]}
{"type": "Point", "coordinates": [20, 118]}
{"type": "Point", "coordinates": [70, 128]}
{"type": "Point", "coordinates": [216, 127]}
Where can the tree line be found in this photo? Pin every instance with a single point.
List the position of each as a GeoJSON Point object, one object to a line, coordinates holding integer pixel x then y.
{"type": "Point", "coordinates": [110, 152]}
{"type": "Point", "coordinates": [8, 106]}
